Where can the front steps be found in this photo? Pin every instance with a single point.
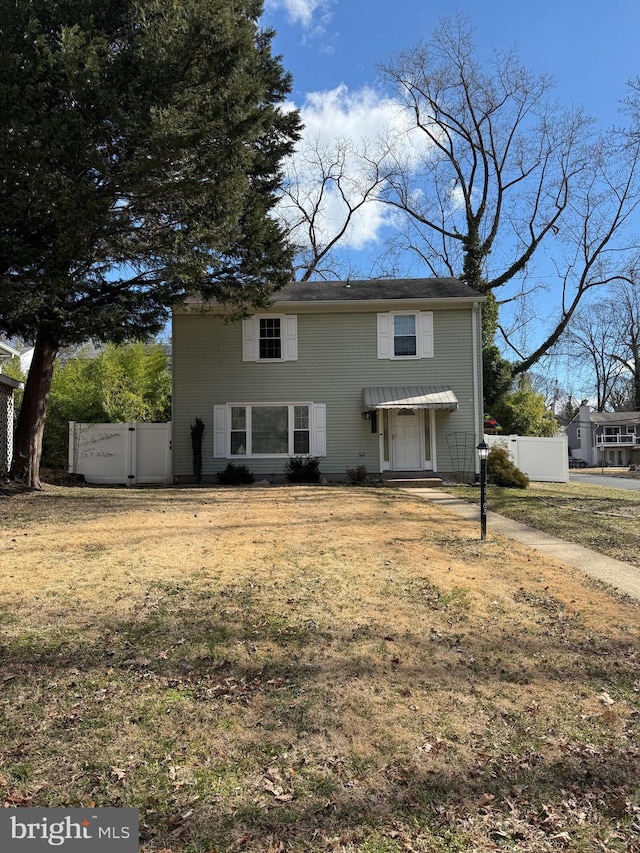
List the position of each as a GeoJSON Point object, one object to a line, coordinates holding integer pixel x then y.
{"type": "Point", "coordinates": [419, 480]}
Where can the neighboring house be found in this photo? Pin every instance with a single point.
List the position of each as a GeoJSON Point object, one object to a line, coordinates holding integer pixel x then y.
{"type": "Point", "coordinates": [7, 387]}
{"type": "Point", "coordinates": [26, 357]}
{"type": "Point", "coordinates": [608, 438]}
{"type": "Point", "coordinates": [24, 353]}
{"type": "Point", "coordinates": [385, 374]}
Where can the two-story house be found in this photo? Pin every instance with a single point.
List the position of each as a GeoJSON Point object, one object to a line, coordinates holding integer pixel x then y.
{"type": "Point", "coordinates": [609, 438]}
{"type": "Point", "coordinates": [384, 373]}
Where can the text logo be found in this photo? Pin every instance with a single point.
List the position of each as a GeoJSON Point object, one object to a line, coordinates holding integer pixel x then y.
{"type": "Point", "coordinates": [30, 830]}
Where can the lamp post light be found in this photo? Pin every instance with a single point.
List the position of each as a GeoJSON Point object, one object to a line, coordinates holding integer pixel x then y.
{"type": "Point", "coordinates": [483, 452]}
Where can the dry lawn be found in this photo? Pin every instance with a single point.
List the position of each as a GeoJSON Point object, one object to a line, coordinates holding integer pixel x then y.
{"type": "Point", "coordinates": [603, 519]}
{"type": "Point", "coordinates": [311, 669]}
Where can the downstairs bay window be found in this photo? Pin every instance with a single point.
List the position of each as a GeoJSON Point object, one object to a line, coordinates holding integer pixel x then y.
{"type": "Point", "coordinates": [269, 430]}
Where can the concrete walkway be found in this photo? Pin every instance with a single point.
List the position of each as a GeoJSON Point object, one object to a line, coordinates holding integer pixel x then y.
{"type": "Point", "coordinates": [623, 577]}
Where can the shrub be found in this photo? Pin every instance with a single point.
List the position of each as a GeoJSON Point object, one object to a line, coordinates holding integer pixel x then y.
{"type": "Point", "coordinates": [502, 472]}
{"type": "Point", "coordinates": [235, 475]}
{"type": "Point", "coordinates": [303, 469]}
{"type": "Point", "coordinates": [197, 431]}
{"type": "Point", "coordinates": [358, 476]}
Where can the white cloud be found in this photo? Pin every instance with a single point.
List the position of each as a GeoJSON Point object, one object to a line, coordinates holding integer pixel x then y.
{"type": "Point", "coordinates": [350, 129]}
{"type": "Point", "coordinates": [299, 11]}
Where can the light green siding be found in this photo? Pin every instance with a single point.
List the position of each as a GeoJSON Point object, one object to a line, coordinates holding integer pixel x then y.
{"type": "Point", "coordinates": [337, 357]}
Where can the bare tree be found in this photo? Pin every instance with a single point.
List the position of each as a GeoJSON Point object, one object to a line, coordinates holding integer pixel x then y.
{"type": "Point", "coordinates": [327, 188]}
{"type": "Point", "coordinates": [506, 172]}
{"type": "Point", "coordinates": [605, 336]}
{"type": "Point", "coordinates": [625, 306]}
{"type": "Point", "coordinates": [590, 341]}
{"type": "Point", "coordinates": [621, 399]}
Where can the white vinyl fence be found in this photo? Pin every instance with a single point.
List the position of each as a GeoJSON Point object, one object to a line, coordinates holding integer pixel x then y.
{"type": "Point", "coordinates": [128, 454]}
{"type": "Point", "coordinates": [541, 459]}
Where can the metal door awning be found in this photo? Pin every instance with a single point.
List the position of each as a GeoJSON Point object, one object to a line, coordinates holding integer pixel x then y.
{"type": "Point", "coordinates": [409, 397]}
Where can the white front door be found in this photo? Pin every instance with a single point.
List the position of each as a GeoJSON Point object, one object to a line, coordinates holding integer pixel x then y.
{"type": "Point", "coordinates": [407, 440]}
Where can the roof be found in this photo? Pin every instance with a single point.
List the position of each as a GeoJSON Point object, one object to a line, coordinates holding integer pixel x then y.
{"type": "Point", "coordinates": [614, 418]}
{"type": "Point", "coordinates": [343, 293]}
{"type": "Point", "coordinates": [410, 397]}
{"type": "Point", "coordinates": [7, 351]}
{"type": "Point", "coordinates": [11, 383]}
{"type": "Point", "coordinates": [372, 289]}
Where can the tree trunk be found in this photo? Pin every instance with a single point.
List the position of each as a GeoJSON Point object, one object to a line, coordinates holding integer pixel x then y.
{"type": "Point", "coordinates": [474, 257]}
{"type": "Point", "coordinates": [27, 449]}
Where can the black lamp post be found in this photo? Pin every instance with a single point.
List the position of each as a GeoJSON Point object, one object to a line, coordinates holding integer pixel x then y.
{"type": "Point", "coordinates": [483, 452]}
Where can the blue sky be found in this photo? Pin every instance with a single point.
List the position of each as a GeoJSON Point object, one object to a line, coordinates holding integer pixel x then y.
{"type": "Point", "coordinates": [333, 47]}
{"type": "Point", "coordinates": [590, 48]}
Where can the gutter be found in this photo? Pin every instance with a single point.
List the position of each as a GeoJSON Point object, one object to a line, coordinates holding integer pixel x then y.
{"type": "Point", "coordinates": [475, 317]}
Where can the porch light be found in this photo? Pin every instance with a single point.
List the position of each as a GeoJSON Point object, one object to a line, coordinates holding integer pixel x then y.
{"type": "Point", "coordinates": [483, 452]}
{"type": "Point", "coordinates": [366, 415]}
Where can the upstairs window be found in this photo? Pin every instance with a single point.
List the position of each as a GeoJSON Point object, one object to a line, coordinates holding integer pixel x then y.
{"type": "Point", "coordinates": [405, 335]}
{"type": "Point", "coordinates": [270, 338]}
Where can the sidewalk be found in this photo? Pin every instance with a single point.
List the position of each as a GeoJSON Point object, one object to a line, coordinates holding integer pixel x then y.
{"type": "Point", "coordinates": [624, 577]}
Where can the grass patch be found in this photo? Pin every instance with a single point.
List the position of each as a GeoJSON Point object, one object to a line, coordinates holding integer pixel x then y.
{"type": "Point", "coordinates": [311, 669]}
{"type": "Point", "coordinates": [606, 520]}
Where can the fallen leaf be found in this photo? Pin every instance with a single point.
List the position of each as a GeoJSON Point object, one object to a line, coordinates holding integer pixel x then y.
{"type": "Point", "coordinates": [284, 798]}
{"type": "Point", "coordinates": [617, 806]}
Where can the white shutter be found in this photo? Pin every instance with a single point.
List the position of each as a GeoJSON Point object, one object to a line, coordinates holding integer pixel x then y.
{"type": "Point", "coordinates": [220, 431]}
{"type": "Point", "coordinates": [290, 343]}
{"type": "Point", "coordinates": [250, 341]}
{"type": "Point", "coordinates": [385, 336]}
{"type": "Point", "coordinates": [318, 429]}
{"type": "Point", "coordinates": [425, 334]}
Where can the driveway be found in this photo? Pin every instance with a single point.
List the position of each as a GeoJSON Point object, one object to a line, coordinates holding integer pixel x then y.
{"type": "Point", "coordinates": [608, 481]}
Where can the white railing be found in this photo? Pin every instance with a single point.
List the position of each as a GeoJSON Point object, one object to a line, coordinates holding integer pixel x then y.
{"type": "Point", "coordinates": [615, 439]}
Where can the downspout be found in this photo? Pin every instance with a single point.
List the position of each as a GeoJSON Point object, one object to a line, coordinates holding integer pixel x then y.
{"type": "Point", "coordinates": [477, 380]}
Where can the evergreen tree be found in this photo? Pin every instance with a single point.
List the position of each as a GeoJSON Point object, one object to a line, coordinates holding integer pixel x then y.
{"type": "Point", "coordinates": [140, 151]}
{"type": "Point", "coordinates": [497, 377]}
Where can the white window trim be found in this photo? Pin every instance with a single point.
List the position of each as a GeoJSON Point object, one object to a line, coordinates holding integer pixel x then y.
{"type": "Point", "coordinates": [288, 338]}
{"type": "Point", "coordinates": [424, 335]}
{"type": "Point", "coordinates": [222, 430]}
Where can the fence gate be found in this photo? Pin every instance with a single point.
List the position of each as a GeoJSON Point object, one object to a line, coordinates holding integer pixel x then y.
{"type": "Point", "coordinates": [542, 459]}
{"type": "Point", "coordinates": [127, 454]}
